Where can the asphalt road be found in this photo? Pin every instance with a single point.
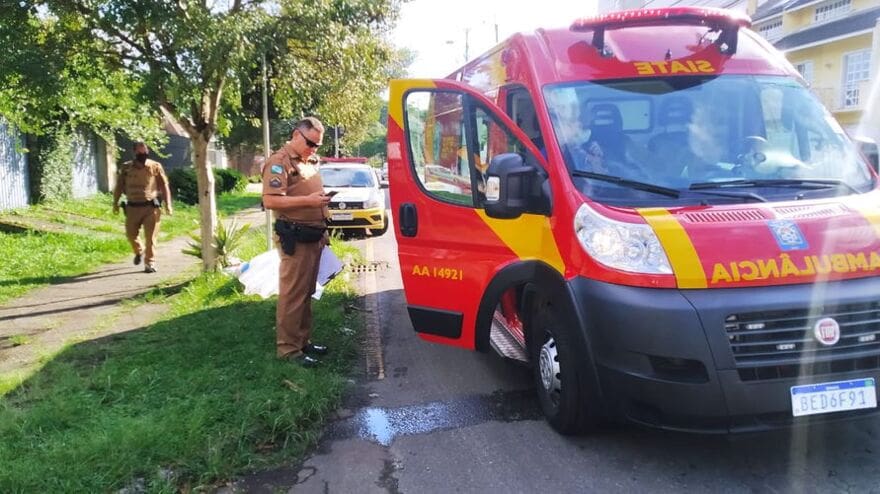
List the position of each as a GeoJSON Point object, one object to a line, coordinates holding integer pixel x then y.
{"type": "Point", "coordinates": [438, 419]}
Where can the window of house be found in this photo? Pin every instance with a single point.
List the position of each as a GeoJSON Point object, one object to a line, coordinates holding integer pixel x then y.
{"type": "Point", "coordinates": [772, 30]}
{"type": "Point", "coordinates": [832, 10]}
{"type": "Point", "coordinates": [856, 69]}
{"type": "Point", "coordinates": [806, 70]}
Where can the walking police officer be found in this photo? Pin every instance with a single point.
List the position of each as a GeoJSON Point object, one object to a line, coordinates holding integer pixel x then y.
{"type": "Point", "coordinates": [144, 184]}
{"type": "Point", "coordinates": [292, 188]}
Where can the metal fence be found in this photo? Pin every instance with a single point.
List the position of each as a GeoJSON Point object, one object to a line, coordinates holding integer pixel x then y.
{"type": "Point", "coordinates": [14, 182]}
{"type": "Point", "coordinates": [85, 164]}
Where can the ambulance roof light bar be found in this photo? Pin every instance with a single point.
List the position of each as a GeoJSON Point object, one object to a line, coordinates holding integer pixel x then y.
{"type": "Point", "coordinates": [726, 22]}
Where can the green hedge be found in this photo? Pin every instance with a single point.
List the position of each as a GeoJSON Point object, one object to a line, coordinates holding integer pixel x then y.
{"type": "Point", "coordinates": [184, 184]}
{"type": "Point", "coordinates": [230, 180]}
{"type": "Point", "coordinates": [54, 165]}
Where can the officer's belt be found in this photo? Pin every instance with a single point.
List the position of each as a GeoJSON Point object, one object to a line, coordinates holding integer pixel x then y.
{"type": "Point", "coordinates": [154, 203]}
{"type": "Point", "coordinates": [290, 233]}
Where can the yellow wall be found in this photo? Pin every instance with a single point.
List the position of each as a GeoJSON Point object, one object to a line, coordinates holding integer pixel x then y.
{"type": "Point", "coordinates": [828, 61]}
{"type": "Point", "coordinates": [863, 4]}
{"type": "Point", "coordinates": [801, 18]}
{"type": "Point", "coordinates": [794, 21]}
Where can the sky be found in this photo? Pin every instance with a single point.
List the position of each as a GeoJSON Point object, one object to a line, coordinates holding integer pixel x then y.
{"type": "Point", "coordinates": [437, 29]}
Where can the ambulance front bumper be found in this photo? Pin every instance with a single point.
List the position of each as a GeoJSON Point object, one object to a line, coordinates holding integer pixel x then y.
{"type": "Point", "coordinates": [721, 360]}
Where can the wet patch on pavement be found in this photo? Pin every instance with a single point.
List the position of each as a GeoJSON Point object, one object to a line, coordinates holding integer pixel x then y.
{"type": "Point", "coordinates": [383, 425]}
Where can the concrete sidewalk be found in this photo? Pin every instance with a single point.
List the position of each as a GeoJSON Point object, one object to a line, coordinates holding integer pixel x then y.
{"type": "Point", "coordinates": [91, 306]}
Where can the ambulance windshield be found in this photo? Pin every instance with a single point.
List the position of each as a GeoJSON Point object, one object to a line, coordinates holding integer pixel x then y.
{"type": "Point", "coordinates": [767, 137]}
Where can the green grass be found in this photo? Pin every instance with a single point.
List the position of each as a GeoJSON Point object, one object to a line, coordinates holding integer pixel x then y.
{"type": "Point", "coordinates": [230, 203]}
{"type": "Point", "coordinates": [34, 259]}
{"type": "Point", "coordinates": [199, 394]}
{"type": "Point", "coordinates": [19, 340]}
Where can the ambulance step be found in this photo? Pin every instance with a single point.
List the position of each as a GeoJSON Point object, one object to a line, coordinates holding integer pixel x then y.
{"type": "Point", "coordinates": [505, 344]}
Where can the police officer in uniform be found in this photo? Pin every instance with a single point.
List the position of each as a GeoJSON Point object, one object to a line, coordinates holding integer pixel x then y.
{"type": "Point", "coordinates": [292, 187]}
{"type": "Point", "coordinates": [142, 181]}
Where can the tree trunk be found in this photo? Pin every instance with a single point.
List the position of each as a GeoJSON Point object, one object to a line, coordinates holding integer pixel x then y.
{"type": "Point", "coordinates": [207, 201]}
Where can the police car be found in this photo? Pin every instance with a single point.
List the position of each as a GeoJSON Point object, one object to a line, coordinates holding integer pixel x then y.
{"type": "Point", "coordinates": [359, 203]}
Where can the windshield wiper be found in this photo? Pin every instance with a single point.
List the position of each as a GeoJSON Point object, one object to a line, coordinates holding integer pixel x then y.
{"type": "Point", "coordinates": [632, 184]}
{"type": "Point", "coordinates": [736, 195]}
{"type": "Point", "coordinates": [806, 183]}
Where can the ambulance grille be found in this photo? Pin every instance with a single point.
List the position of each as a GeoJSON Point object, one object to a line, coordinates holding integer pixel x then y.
{"type": "Point", "coordinates": [731, 216]}
{"type": "Point", "coordinates": [811, 211]}
{"type": "Point", "coordinates": [785, 338]}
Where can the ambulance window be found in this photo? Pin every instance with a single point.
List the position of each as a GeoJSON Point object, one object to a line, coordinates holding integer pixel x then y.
{"type": "Point", "coordinates": [493, 139]}
{"type": "Point", "coordinates": [436, 137]}
{"type": "Point", "coordinates": [635, 113]}
{"type": "Point", "coordinates": [521, 110]}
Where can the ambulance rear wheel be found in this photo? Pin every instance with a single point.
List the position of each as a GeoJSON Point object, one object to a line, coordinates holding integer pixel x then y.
{"type": "Point", "coordinates": [561, 378]}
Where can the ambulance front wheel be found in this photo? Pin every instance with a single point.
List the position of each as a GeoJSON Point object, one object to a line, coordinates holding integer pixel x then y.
{"type": "Point", "coordinates": [562, 376]}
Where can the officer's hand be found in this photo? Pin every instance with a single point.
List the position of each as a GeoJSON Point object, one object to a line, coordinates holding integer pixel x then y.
{"type": "Point", "coordinates": [116, 209]}
{"type": "Point", "coordinates": [318, 199]}
{"type": "Point", "coordinates": [169, 210]}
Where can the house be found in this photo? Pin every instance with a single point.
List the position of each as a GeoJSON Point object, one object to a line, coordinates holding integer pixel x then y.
{"type": "Point", "coordinates": [92, 167]}
{"type": "Point", "coordinates": [835, 45]}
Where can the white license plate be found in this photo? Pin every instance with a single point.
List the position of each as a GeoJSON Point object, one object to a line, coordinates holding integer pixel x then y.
{"type": "Point", "coordinates": [341, 216]}
{"type": "Point", "coordinates": [841, 396]}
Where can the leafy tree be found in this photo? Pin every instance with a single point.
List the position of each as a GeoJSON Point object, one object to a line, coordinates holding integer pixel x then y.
{"type": "Point", "coordinates": [186, 57]}
{"type": "Point", "coordinates": [374, 144]}
{"type": "Point", "coordinates": [337, 76]}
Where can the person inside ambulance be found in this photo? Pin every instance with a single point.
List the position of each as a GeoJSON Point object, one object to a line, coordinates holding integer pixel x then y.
{"type": "Point", "coordinates": [671, 142]}
{"type": "Point", "coordinates": [609, 150]}
{"type": "Point", "coordinates": [707, 143]}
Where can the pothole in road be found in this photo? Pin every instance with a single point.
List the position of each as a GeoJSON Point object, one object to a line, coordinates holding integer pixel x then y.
{"type": "Point", "coordinates": [383, 425]}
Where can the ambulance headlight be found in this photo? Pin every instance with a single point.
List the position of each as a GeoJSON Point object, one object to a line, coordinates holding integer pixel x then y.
{"type": "Point", "coordinates": [618, 245]}
{"type": "Point", "coordinates": [372, 203]}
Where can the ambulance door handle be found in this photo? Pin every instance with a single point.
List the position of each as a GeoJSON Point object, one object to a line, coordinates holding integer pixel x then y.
{"type": "Point", "coordinates": [409, 220]}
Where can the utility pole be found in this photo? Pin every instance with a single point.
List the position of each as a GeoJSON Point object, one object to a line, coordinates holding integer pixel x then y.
{"type": "Point", "coordinates": [336, 139]}
{"type": "Point", "coordinates": [267, 151]}
{"type": "Point", "coordinates": [467, 33]}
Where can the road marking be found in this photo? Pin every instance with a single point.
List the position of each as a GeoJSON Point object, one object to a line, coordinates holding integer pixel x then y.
{"type": "Point", "coordinates": [375, 362]}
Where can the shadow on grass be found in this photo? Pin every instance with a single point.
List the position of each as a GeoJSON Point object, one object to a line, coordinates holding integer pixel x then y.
{"type": "Point", "coordinates": [189, 401]}
{"type": "Point", "coordinates": [229, 204]}
{"type": "Point", "coordinates": [60, 280]}
{"type": "Point", "coordinates": [115, 296]}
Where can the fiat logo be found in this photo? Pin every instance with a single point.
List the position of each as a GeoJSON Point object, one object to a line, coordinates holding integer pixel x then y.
{"type": "Point", "coordinates": [827, 331]}
{"type": "Point", "coordinates": [342, 205]}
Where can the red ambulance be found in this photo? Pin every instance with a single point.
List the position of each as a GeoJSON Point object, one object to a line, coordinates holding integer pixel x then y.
{"type": "Point", "coordinates": [652, 210]}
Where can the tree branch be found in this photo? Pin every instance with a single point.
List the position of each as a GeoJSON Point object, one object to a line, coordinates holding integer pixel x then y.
{"type": "Point", "coordinates": [108, 28]}
{"type": "Point", "coordinates": [184, 122]}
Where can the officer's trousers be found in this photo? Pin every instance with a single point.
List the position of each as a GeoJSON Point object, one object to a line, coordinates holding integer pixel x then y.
{"type": "Point", "coordinates": [296, 284]}
{"type": "Point", "coordinates": [148, 217]}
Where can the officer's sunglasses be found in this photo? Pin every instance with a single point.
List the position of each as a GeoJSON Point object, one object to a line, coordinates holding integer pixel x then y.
{"type": "Point", "coordinates": [310, 143]}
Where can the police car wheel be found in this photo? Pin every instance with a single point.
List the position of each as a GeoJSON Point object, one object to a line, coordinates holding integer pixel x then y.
{"type": "Point", "coordinates": [560, 377]}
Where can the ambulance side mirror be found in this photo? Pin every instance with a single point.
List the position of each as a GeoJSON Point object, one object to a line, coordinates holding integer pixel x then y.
{"type": "Point", "coordinates": [508, 186]}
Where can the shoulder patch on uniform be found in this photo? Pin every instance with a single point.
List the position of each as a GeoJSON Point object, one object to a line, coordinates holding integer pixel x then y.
{"type": "Point", "coordinates": [275, 182]}
{"type": "Point", "coordinates": [277, 169]}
